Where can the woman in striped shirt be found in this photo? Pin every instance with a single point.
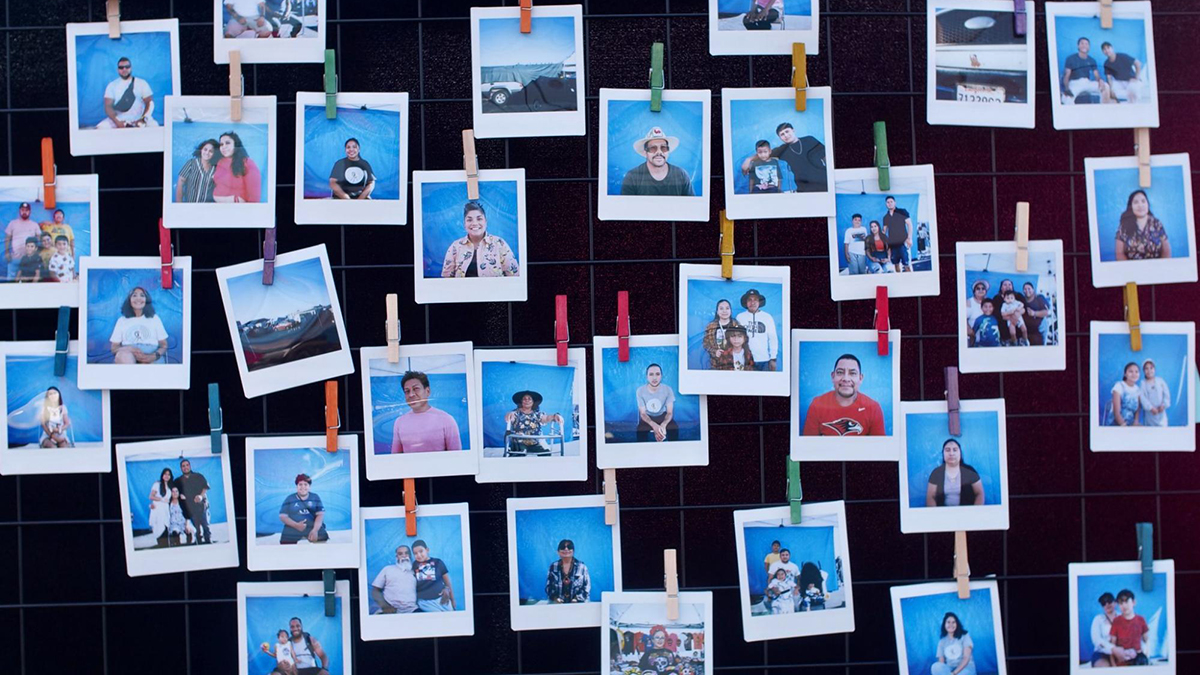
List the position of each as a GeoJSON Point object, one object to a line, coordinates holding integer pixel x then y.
{"type": "Point", "coordinates": [195, 182]}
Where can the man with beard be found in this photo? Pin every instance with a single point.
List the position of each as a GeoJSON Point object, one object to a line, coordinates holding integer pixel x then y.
{"type": "Point", "coordinates": [395, 587]}
{"type": "Point", "coordinates": [128, 101]}
{"type": "Point", "coordinates": [657, 177]}
{"type": "Point", "coordinates": [193, 497]}
{"type": "Point", "coordinates": [845, 411]}
{"type": "Point", "coordinates": [306, 651]}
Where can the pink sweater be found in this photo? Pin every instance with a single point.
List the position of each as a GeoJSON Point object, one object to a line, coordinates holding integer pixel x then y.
{"type": "Point", "coordinates": [247, 187]}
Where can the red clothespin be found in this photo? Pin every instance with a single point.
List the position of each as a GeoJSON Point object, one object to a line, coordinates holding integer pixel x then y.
{"type": "Point", "coordinates": [952, 402]}
{"type": "Point", "coordinates": [166, 252]}
{"type": "Point", "coordinates": [113, 8]}
{"type": "Point", "coordinates": [882, 321]}
{"type": "Point", "coordinates": [526, 16]}
{"type": "Point", "coordinates": [410, 507]}
{"type": "Point", "coordinates": [49, 173]}
{"type": "Point", "coordinates": [1020, 25]}
{"type": "Point", "coordinates": [623, 326]}
{"type": "Point", "coordinates": [562, 332]}
{"type": "Point", "coordinates": [269, 257]}
{"type": "Point", "coordinates": [333, 418]}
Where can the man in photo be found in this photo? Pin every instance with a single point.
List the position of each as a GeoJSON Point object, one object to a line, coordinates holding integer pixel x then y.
{"type": "Point", "coordinates": [568, 581]}
{"type": "Point", "coordinates": [656, 408]}
{"type": "Point", "coordinates": [281, 14]}
{"type": "Point", "coordinates": [395, 587]}
{"type": "Point", "coordinates": [784, 563]}
{"type": "Point", "coordinates": [193, 496]}
{"type": "Point", "coordinates": [310, 658]}
{"type": "Point", "coordinates": [1036, 310]}
{"type": "Point", "coordinates": [1123, 74]}
{"type": "Point", "coordinates": [351, 177]}
{"type": "Point", "coordinates": [898, 226]}
{"type": "Point", "coordinates": [657, 177]}
{"type": "Point", "coordinates": [764, 170]}
{"type": "Point", "coordinates": [434, 591]}
{"type": "Point", "coordinates": [58, 226]}
{"type": "Point", "coordinates": [128, 100]}
{"type": "Point", "coordinates": [1102, 647]}
{"type": "Point", "coordinates": [845, 411]}
{"type": "Point", "coordinates": [19, 230]}
{"type": "Point", "coordinates": [425, 428]}
{"type": "Point", "coordinates": [1081, 75]}
{"type": "Point", "coordinates": [763, 14]}
{"type": "Point", "coordinates": [303, 515]}
{"type": "Point", "coordinates": [760, 330]}
{"type": "Point", "coordinates": [805, 158]}
{"type": "Point", "coordinates": [854, 246]}
{"type": "Point", "coordinates": [1128, 633]}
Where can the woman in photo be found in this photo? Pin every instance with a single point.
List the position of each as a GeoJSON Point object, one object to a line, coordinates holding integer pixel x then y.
{"type": "Point", "coordinates": [1155, 397]}
{"type": "Point", "coordinates": [237, 177]}
{"type": "Point", "coordinates": [139, 335]}
{"type": "Point", "coordinates": [878, 255]}
{"type": "Point", "coordinates": [160, 504]}
{"type": "Point", "coordinates": [195, 183]}
{"type": "Point", "coordinates": [656, 408]}
{"type": "Point", "coordinates": [953, 482]}
{"type": "Point", "coordinates": [1126, 398]}
{"type": "Point", "coordinates": [715, 342]}
{"type": "Point", "coordinates": [657, 658]}
{"type": "Point", "coordinates": [55, 420]}
{"type": "Point", "coordinates": [811, 589]}
{"type": "Point", "coordinates": [527, 420]}
{"type": "Point", "coordinates": [954, 649]}
{"type": "Point", "coordinates": [177, 524]}
{"type": "Point", "coordinates": [352, 177]}
{"type": "Point", "coordinates": [1141, 236]}
{"type": "Point", "coordinates": [568, 581]}
{"type": "Point", "coordinates": [975, 308]}
{"type": "Point", "coordinates": [478, 254]}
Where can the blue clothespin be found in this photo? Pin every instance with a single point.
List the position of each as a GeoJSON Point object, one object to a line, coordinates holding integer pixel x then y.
{"type": "Point", "coordinates": [216, 418]}
{"type": "Point", "coordinates": [1145, 539]}
{"type": "Point", "coordinates": [62, 338]}
{"type": "Point", "coordinates": [330, 580]}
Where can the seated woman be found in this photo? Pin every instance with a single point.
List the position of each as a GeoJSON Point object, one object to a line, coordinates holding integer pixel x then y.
{"type": "Point", "coordinates": [953, 482]}
{"type": "Point", "coordinates": [55, 420]}
{"type": "Point", "coordinates": [954, 649]}
{"type": "Point", "coordinates": [139, 335]}
{"type": "Point", "coordinates": [527, 420]}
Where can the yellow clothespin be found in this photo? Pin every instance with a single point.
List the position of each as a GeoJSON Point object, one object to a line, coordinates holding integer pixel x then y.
{"type": "Point", "coordinates": [962, 567]}
{"type": "Point", "coordinates": [610, 496]}
{"type": "Point", "coordinates": [237, 85]}
{"type": "Point", "coordinates": [672, 583]}
{"type": "Point", "coordinates": [470, 163]}
{"type": "Point", "coordinates": [800, 75]}
{"type": "Point", "coordinates": [726, 247]}
{"type": "Point", "coordinates": [1141, 147]}
{"type": "Point", "coordinates": [1133, 317]}
{"type": "Point", "coordinates": [1022, 236]}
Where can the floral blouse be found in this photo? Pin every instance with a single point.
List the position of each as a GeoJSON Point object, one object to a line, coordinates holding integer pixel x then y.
{"type": "Point", "coordinates": [495, 258]}
{"type": "Point", "coordinates": [529, 424]}
{"type": "Point", "coordinates": [1145, 244]}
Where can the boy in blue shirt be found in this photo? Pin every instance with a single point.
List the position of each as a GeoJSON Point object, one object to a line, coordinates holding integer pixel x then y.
{"type": "Point", "coordinates": [987, 328]}
{"type": "Point", "coordinates": [303, 515]}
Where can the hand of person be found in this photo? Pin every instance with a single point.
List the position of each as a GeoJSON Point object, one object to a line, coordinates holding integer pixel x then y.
{"type": "Point", "coordinates": [559, 418]}
{"type": "Point", "coordinates": [908, 242]}
{"type": "Point", "coordinates": [197, 498]}
{"type": "Point", "coordinates": [509, 416]}
{"type": "Point", "coordinates": [297, 526]}
{"type": "Point", "coordinates": [660, 433]}
{"type": "Point", "coordinates": [143, 357]}
{"type": "Point", "coordinates": [771, 364]}
{"type": "Point", "coordinates": [265, 648]}
{"type": "Point", "coordinates": [445, 600]}
{"type": "Point", "coordinates": [387, 609]}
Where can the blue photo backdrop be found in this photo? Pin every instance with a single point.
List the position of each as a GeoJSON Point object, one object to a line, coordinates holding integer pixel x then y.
{"type": "Point", "coordinates": [27, 380]}
{"type": "Point", "coordinates": [442, 218]}
{"type": "Point", "coordinates": [378, 135]}
{"type": "Point", "coordinates": [871, 207]}
{"type": "Point", "coordinates": [703, 295]}
{"type": "Point", "coordinates": [621, 381]}
{"type": "Point", "coordinates": [980, 443]}
{"type": "Point", "coordinates": [106, 293]}
{"type": "Point", "coordinates": [96, 59]}
{"type": "Point", "coordinates": [538, 534]}
{"type": "Point", "coordinates": [752, 121]}
{"type": "Point", "coordinates": [502, 379]}
{"type": "Point", "coordinates": [141, 474]}
{"type": "Point", "coordinates": [1167, 200]}
{"type": "Point", "coordinates": [186, 136]}
{"type": "Point", "coordinates": [630, 121]}
{"type": "Point", "coordinates": [447, 392]}
{"type": "Point", "coordinates": [806, 544]}
{"type": "Point", "coordinates": [443, 535]}
{"type": "Point", "coordinates": [266, 616]}
{"type": "Point", "coordinates": [1150, 605]}
{"type": "Point", "coordinates": [76, 215]}
{"type": "Point", "coordinates": [818, 359]}
{"type": "Point", "coordinates": [923, 615]}
{"type": "Point", "coordinates": [994, 279]}
{"type": "Point", "coordinates": [800, 7]}
{"type": "Point", "coordinates": [1128, 36]}
{"type": "Point", "coordinates": [1169, 353]}
{"type": "Point", "coordinates": [275, 471]}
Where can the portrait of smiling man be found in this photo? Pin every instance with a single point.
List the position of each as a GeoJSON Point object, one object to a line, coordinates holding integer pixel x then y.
{"type": "Point", "coordinates": [657, 176]}
{"type": "Point", "coordinates": [846, 410]}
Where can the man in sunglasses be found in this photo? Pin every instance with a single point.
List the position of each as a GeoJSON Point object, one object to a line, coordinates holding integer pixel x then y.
{"type": "Point", "coordinates": [657, 177]}
{"type": "Point", "coordinates": [128, 100]}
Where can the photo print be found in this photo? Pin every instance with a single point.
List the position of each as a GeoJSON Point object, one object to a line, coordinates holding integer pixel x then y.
{"type": "Point", "coordinates": [1101, 78]}
{"type": "Point", "coordinates": [562, 558]}
{"type": "Point", "coordinates": [217, 172]}
{"type": "Point", "coordinates": [178, 513]}
{"type": "Point", "coordinates": [1144, 235]}
{"type": "Point", "coordinates": [52, 425]}
{"type": "Point", "coordinates": [884, 237]}
{"type": "Point", "coordinates": [302, 503]}
{"type": "Point", "coordinates": [137, 334]}
{"type": "Point", "coordinates": [469, 250]}
{"type": "Point", "coordinates": [533, 415]}
{"type": "Point", "coordinates": [275, 31]}
{"type": "Point", "coordinates": [937, 633]}
{"type": "Point", "coordinates": [419, 411]}
{"type": "Point", "coordinates": [353, 169]}
{"type": "Point", "coordinates": [968, 471]}
{"type": "Point", "coordinates": [291, 332]}
{"type": "Point", "coordinates": [42, 247]}
{"type": "Point", "coordinates": [642, 418]}
{"type": "Point", "coordinates": [981, 73]}
{"type": "Point", "coordinates": [778, 162]}
{"type": "Point", "coordinates": [1143, 400]}
{"type": "Point", "coordinates": [282, 628]}
{"type": "Point", "coordinates": [1008, 320]}
{"type": "Point", "coordinates": [732, 332]}
{"type": "Point", "coordinates": [749, 27]}
{"type": "Point", "coordinates": [845, 396]}
{"type": "Point", "coordinates": [528, 84]}
{"type": "Point", "coordinates": [115, 87]}
{"type": "Point", "coordinates": [641, 639]}
{"type": "Point", "coordinates": [655, 165]}
{"type": "Point", "coordinates": [418, 586]}
{"type": "Point", "coordinates": [1115, 622]}
{"type": "Point", "coordinates": [794, 579]}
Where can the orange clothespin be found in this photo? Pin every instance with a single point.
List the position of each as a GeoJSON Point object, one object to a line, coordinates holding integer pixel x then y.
{"type": "Point", "coordinates": [562, 332]}
{"type": "Point", "coordinates": [269, 257]}
{"type": "Point", "coordinates": [410, 507]}
{"type": "Point", "coordinates": [1022, 236]}
{"type": "Point", "coordinates": [962, 567]}
{"type": "Point", "coordinates": [470, 163]}
{"type": "Point", "coordinates": [800, 75]}
{"type": "Point", "coordinates": [1141, 147]}
{"type": "Point", "coordinates": [393, 328]}
{"type": "Point", "coordinates": [727, 248]}
{"type": "Point", "coordinates": [333, 418]}
{"type": "Point", "coordinates": [49, 173]}
{"type": "Point", "coordinates": [113, 8]}
{"type": "Point", "coordinates": [166, 252]}
{"type": "Point", "coordinates": [526, 16]}
{"type": "Point", "coordinates": [1106, 7]}
{"type": "Point", "coordinates": [952, 403]}
{"type": "Point", "coordinates": [1133, 317]}
{"type": "Point", "coordinates": [623, 327]}
{"type": "Point", "coordinates": [883, 322]}
{"type": "Point", "coordinates": [671, 581]}
{"type": "Point", "coordinates": [610, 496]}
{"type": "Point", "coordinates": [237, 85]}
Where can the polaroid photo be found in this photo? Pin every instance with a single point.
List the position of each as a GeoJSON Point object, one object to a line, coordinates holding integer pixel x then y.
{"type": "Point", "coordinates": [778, 162]}
{"type": "Point", "coordinates": [128, 320]}
{"type": "Point", "coordinates": [1115, 622]}
{"type": "Point", "coordinates": [1143, 400]}
{"type": "Point", "coordinates": [1009, 320]}
{"type": "Point", "coordinates": [302, 502]}
{"type": "Point", "coordinates": [562, 558]}
{"type": "Point", "coordinates": [353, 169]}
{"type": "Point", "coordinates": [655, 165]}
{"type": "Point", "coordinates": [735, 349]}
{"type": "Point", "coordinates": [981, 73]}
{"type": "Point", "coordinates": [289, 31]}
{"type": "Point", "coordinates": [418, 586]}
{"type": "Point", "coordinates": [115, 87]}
{"type": "Point", "coordinates": [794, 577]}
{"type": "Point", "coordinates": [1143, 235]}
{"type": "Point", "coordinates": [216, 172]}
{"type": "Point", "coordinates": [469, 250]}
{"type": "Point", "coordinates": [1101, 78]}
{"type": "Point", "coordinates": [642, 419]}
{"type": "Point", "coordinates": [884, 237]}
{"type": "Point", "coordinates": [845, 396]}
{"type": "Point", "coordinates": [178, 513]}
{"type": "Point", "coordinates": [750, 27]}
{"type": "Point", "coordinates": [291, 332]}
{"type": "Point", "coordinates": [420, 411]}
{"type": "Point", "coordinates": [528, 84]}
{"type": "Point", "coordinates": [42, 247]}
{"type": "Point", "coordinates": [53, 426]}
{"type": "Point", "coordinates": [284, 622]}
{"type": "Point", "coordinates": [969, 471]}
{"type": "Point", "coordinates": [682, 645]}
{"type": "Point", "coordinates": [934, 629]}
{"type": "Point", "coordinates": [532, 414]}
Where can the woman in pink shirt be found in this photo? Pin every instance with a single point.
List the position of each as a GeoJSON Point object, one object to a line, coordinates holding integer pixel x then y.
{"type": "Point", "coordinates": [237, 178]}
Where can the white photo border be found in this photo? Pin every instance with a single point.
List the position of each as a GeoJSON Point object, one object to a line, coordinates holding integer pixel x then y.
{"type": "Point", "coordinates": [898, 593]}
{"type": "Point", "coordinates": [1077, 570]}
{"type": "Point", "coordinates": [750, 43]}
{"type": "Point", "coordinates": [275, 50]}
{"type": "Point", "coordinates": [278, 589]}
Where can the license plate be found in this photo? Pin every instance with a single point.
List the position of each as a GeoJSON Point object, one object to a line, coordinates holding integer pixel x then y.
{"type": "Point", "coordinates": [975, 93]}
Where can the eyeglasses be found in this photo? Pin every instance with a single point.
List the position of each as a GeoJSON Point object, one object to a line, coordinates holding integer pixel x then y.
{"type": "Point", "coordinates": [657, 147]}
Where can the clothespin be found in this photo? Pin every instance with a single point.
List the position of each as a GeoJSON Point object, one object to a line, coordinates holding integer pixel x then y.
{"type": "Point", "coordinates": [1106, 13]}
{"type": "Point", "coordinates": [166, 252]}
{"type": "Point", "coordinates": [269, 257]}
{"type": "Point", "coordinates": [1022, 236]}
{"type": "Point", "coordinates": [1141, 147]}
{"type": "Point", "coordinates": [1020, 26]}
{"type": "Point", "coordinates": [1133, 317]}
{"type": "Point", "coordinates": [237, 85]}
{"type": "Point", "coordinates": [114, 18]}
{"type": "Point", "coordinates": [410, 507]}
{"type": "Point", "coordinates": [62, 337]}
{"type": "Point", "coordinates": [562, 331]}
{"type": "Point", "coordinates": [470, 163]}
{"type": "Point", "coordinates": [1145, 541]}
{"type": "Point", "coordinates": [657, 80]}
{"type": "Point", "coordinates": [216, 417]}
{"type": "Point", "coordinates": [330, 580]}
{"type": "Point", "coordinates": [800, 75]}
{"type": "Point", "coordinates": [671, 579]}
{"type": "Point", "coordinates": [883, 323]}
{"type": "Point", "coordinates": [333, 418]}
{"type": "Point", "coordinates": [610, 496]}
{"type": "Point", "coordinates": [49, 173]}
{"type": "Point", "coordinates": [952, 403]}
{"type": "Point", "coordinates": [623, 326]}
{"type": "Point", "coordinates": [795, 490]}
{"type": "Point", "coordinates": [962, 567]}
{"type": "Point", "coordinates": [526, 16]}
{"type": "Point", "coordinates": [393, 327]}
{"type": "Point", "coordinates": [882, 162]}
{"type": "Point", "coordinates": [330, 86]}
{"type": "Point", "coordinates": [727, 248]}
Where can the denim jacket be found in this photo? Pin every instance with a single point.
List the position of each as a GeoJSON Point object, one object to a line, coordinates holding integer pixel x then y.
{"type": "Point", "coordinates": [495, 258]}
{"type": "Point", "coordinates": [581, 583]}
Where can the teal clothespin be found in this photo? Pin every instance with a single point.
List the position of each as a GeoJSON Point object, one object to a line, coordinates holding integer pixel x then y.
{"type": "Point", "coordinates": [1145, 539]}
{"type": "Point", "coordinates": [330, 86]}
{"type": "Point", "coordinates": [330, 580]}
{"type": "Point", "coordinates": [216, 418]}
{"type": "Point", "coordinates": [881, 156]}
{"type": "Point", "coordinates": [657, 81]}
{"type": "Point", "coordinates": [62, 338]}
{"type": "Point", "coordinates": [795, 490]}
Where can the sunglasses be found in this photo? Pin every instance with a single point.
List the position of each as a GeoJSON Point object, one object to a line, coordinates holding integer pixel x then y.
{"type": "Point", "coordinates": [657, 147]}
{"type": "Point", "coordinates": [125, 67]}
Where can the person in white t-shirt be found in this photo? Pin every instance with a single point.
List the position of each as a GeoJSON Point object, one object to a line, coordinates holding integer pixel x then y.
{"type": "Point", "coordinates": [128, 100]}
{"type": "Point", "coordinates": [284, 661]}
{"type": "Point", "coordinates": [854, 245]}
{"type": "Point", "coordinates": [139, 335]}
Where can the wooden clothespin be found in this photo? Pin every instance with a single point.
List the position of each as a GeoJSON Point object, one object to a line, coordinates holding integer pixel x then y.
{"type": "Point", "coordinates": [166, 252]}
{"type": "Point", "coordinates": [962, 567]}
{"type": "Point", "coordinates": [216, 417]}
{"type": "Point", "coordinates": [800, 75]}
{"type": "Point", "coordinates": [330, 580]}
{"type": "Point", "coordinates": [610, 496]}
{"type": "Point", "coordinates": [1020, 23]}
{"type": "Point", "coordinates": [657, 79]}
{"type": "Point", "coordinates": [562, 331]}
{"type": "Point", "coordinates": [882, 321]}
{"type": "Point", "coordinates": [795, 490]}
{"type": "Point", "coordinates": [1022, 236]}
{"type": "Point", "coordinates": [392, 326]}
{"type": "Point", "coordinates": [470, 163]}
{"type": "Point", "coordinates": [1106, 7]}
{"type": "Point", "coordinates": [410, 507]}
{"type": "Point", "coordinates": [1145, 543]}
{"type": "Point", "coordinates": [882, 162]}
{"type": "Point", "coordinates": [623, 326]}
{"type": "Point", "coordinates": [1141, 147]}
{"type": "Point", "coordinates": [62, 338]}
{"type": "Point", "coordinates": [333, 418]}
{"type": "Point", "coordinates": [237, 85]}
{"type": "Point", "coordinates": [269, 250]}
{"type": "Point", "coordinates": [49, 173]}
{"type": "Point", "coordinates": [526, 16]}
{"type": "Point", "coordinates": [1133, 316]}
{"type": "Point", "coordinates": [113, 10]}
{"type": "Point", "coordinates": [727, 248]}
{"type": "Point", "coordinates": [330, 86]}
{"type": "Point", "coordinates": [953, 406]}
{"type": "Point", "coordinates": [671, 581]}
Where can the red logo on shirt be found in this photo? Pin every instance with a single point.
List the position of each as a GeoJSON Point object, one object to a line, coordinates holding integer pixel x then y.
{"type": "Point", "coordinates": [844, 426]}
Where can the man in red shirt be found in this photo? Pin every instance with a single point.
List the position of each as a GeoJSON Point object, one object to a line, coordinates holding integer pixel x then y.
{"type": "Point", "coordinates": [845, 411]}
{"type": "Point", "coordinates": [1128, 633]}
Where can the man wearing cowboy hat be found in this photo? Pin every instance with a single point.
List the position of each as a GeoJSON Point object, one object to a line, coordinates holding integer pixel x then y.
{"type": "Point", "coordinates": [656, 177]}
{"type": "Point", "coordinates": [760, 330]}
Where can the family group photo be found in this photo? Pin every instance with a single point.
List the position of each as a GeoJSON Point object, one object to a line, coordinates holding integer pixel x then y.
{"type": "Point", "coordinates": [733, 325]}
{"type": "Point", "coordinates": [1147, 388]}
{"type": "Point", "coordinates": [1116, 621]}
{"type": "Point", "coordinates": [177, 501]}
{"type": "Point", "coordinates": [937, 633]}
{"type": "Point", "coordinates": [776, 149]}
{"type": "Point", "coordinates": [641, 639]}
{"type": "Point", "coordinates": [217, 162]}
{"type": "Point", "coordinates": [1007, 308]}
{"type": "Point", "coordinates": [285, 631]}
{"type": "Point", "coordinates": [44, 245]}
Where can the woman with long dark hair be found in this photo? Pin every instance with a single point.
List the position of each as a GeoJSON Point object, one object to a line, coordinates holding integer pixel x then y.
{"type": "Point", "coordinates": [195, 182]}
{"type": "Point", "coordinates": [160, 503]}
{"type": "Point", "coordinates": [55, 420]}
{"type": "Point", "coordinates": [1141, 236]}
{"type": "Point", "coordinates": [1126, 397]}
{"type": "Point", "coordinates": [139, 335]}
{"type": "Point", "coordinates": [953, 482]}
{"type": "Point", "coordinates": [237, 177]}
{"type": "Point", "coordinates": [954, 649]}
{"type": "Point", "coordinates": [878, 257]}
{"type": "Point", "coordinates": [714, 341]}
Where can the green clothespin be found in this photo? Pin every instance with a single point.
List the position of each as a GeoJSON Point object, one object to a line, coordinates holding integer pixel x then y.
{"type": "Point", "coordinates": [795, 490]}
{"type": "Point", "coordinates": [881, 156]}
{"type": "Point", "coordinates": [62, 338]}
{"type": "Point", "coordinates": [330, 86]}
{"type": "Point", "coordinates": [330, 580]}
{"type": "Point", "coordinates": [1145, 539]}
{"type": "Point", "coordinates": [657, 81]}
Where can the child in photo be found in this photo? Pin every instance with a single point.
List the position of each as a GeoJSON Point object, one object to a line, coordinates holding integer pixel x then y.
{"type": "Point", "coordinates": [282, 653]}
{"type": "Point", "coordinates": [986, 330]}
{"type": "Point", "coordinates": [781, 593]}
{"type": "Point", "coordinates": [30, 267]}
{"type": "Point", "coordinates": [715, 339]}
{"type": "Point", "coordinates": [1155, 397]}
{"type": "Point", "coordinates": [1128, 633]}
{"type": "Point", "coordinates": [177, 524]}
{"type": "Point", "coordinates": [55, 420]}
{"type": "Point", "coordinates": [812, 583]}
{"type": "Point", "coordinates": [737, 356]}
{"type": "Point", "coordinates": [1126, 398]}
{"type": "Point", "coordinates": [1011, 312]}
{"type": "Point", "coordinates": [764, 170]}
{"type": "Point", "coordinates": [46, 249]}
{"type": "Point", "coordinates": [62, 265]}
